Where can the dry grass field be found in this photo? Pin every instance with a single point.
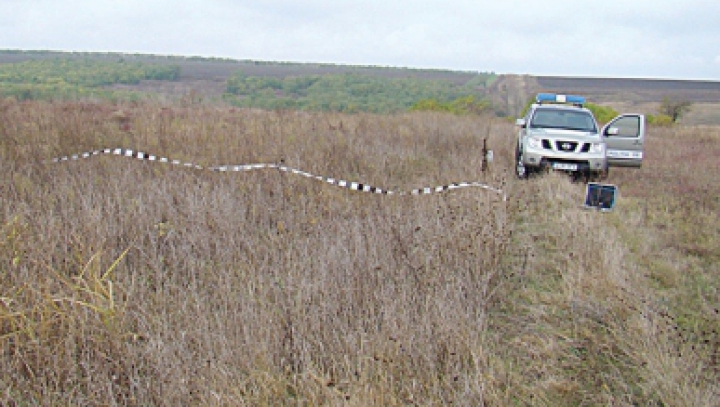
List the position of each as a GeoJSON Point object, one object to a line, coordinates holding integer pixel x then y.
{"type": "Point", "coordinates": [127, 282]}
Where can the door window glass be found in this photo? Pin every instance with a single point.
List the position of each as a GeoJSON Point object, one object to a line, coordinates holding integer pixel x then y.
{"type": "Point", "coordinates": [627, 126]}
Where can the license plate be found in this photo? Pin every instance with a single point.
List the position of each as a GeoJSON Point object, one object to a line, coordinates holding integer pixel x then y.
{"type": "Point", "coordinates": [565, 166]}
{"type": "Point", "coordinates": [625, 154]}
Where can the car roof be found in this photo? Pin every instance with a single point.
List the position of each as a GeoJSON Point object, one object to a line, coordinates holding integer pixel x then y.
{"type": "Point", "coordinates": [560, 107]}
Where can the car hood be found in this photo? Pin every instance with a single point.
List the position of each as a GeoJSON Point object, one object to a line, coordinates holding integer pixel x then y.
{"type": "Point", "coordinates": [565, 134]}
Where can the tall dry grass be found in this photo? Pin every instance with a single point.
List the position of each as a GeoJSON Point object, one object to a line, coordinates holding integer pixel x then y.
{"type": "Point", "coordinates": [128, 282]}
{"type": "Point", "coordinates": [136, 283]}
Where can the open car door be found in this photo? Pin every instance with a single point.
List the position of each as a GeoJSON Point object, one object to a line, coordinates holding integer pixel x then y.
{"type": "Point", "coordinates": [624, 137]}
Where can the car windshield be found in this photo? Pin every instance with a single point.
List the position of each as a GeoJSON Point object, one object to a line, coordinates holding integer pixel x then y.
{"type": "Point", "coordinates": [563, 119]}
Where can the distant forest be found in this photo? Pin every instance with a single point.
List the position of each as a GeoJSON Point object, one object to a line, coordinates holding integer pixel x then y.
{"type": "Point", "coordinates": [351, 92]}
{"type": "Point", "coordinates": [53, 75]}
{"type": "Point", "coordinates": [76, 78]}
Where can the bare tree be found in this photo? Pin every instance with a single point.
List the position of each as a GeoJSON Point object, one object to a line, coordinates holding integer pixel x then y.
{"type": "Point", "coordinates": [674, 108]}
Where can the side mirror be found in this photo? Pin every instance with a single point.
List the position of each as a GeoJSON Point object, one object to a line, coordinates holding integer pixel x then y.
{"type": "Point", "coordinates": [521, 123]}
{"type": "Point", "coordinates": [612, 131]}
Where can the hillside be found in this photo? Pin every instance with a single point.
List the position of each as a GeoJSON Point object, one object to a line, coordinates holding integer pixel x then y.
{"type": "Point", "coordinates": [206, 79]}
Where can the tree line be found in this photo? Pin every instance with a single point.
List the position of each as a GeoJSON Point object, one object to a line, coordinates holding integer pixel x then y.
{"type": "Point", "coordinates": [81, 76]}
{"type": "Point", "coordinates": [354, 92]}
{"type": "Point", "coordinates": [84, 76]}
{"type": "Point", "coordinates": [75, 78]}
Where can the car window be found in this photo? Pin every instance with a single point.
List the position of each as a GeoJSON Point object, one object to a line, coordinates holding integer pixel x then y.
{"type": "Point", "coordinates": [563, 119]}
{"type": "Point", "coordinates": [627, 126]}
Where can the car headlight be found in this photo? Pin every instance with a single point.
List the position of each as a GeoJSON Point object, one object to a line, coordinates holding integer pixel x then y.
{"type": "Point", "coordinates": [534, 142]}
{"type": "Point", "coordinates": [597, 148]}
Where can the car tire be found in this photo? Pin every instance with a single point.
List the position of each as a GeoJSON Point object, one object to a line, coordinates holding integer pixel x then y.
{"type": "Point", "coordinates": [598, 176]}
{"type": "Point", "coordinates": [521, 170]}
{"type": "Point", "coordinates": [582, 176]}
{"type": "Point", "coordinates": [604, 174]}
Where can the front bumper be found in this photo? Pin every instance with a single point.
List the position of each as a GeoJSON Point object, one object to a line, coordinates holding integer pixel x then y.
{"type": "Point", "coordinates": [576, 162]}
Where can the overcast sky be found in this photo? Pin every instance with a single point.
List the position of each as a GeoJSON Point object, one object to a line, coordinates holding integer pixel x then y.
{"type": "Point", "coordinates": [608, 38]}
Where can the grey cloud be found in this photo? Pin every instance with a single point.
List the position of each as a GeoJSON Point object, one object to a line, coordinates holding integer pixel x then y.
{"type": "Point", "coordinates": [612, 38]}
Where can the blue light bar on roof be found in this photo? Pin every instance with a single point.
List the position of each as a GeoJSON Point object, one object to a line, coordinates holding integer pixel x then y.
{"type": "Point", "coordinates": [553, 98]}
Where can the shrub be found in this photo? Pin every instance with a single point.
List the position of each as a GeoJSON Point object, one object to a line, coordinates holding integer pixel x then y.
{"type": "Point", "coordinates": [603, 114]}
{"type": "Point", "coordinates": [674, 108]}
{"type": "Point", "coordinates": [460, 106]}
{"type": "Point", "coordinates": [659, 120]}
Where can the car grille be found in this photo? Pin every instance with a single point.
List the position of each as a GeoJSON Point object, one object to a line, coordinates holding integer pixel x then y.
{"type": "Point", "coordinates": [567, 146]}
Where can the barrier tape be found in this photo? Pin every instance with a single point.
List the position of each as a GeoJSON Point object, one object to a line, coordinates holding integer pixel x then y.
{"type": "Point", "coordinates": [355, 186]}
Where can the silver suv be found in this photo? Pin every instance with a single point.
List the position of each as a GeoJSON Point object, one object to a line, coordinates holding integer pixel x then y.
{"type": "Point", "coordinates": [559, 133]}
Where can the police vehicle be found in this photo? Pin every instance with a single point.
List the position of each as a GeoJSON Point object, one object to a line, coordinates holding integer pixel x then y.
{"type": "Point", "coordinates": [559, 133]}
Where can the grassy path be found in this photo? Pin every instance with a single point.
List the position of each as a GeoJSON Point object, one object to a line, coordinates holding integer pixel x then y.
{"type": "Point", "coordinates": [618, 308]}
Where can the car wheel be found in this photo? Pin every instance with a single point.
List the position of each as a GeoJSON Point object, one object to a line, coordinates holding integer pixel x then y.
{"type": "Point", "coordinates": [604, 174]}
{"type": "Point", "coordinates": [599, 176]}
{"type": "Point", "coordinates": [581, 176]}
{"type": "Point", "coordinates": [521, 171]}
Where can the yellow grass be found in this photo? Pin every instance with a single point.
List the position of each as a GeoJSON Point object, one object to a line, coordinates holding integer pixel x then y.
{"type": "Point", "coordinates": [138, 283]}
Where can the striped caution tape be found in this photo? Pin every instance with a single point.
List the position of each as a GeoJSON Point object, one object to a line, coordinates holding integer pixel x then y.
{"type": "Point", "coordinates": [355, 186]}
